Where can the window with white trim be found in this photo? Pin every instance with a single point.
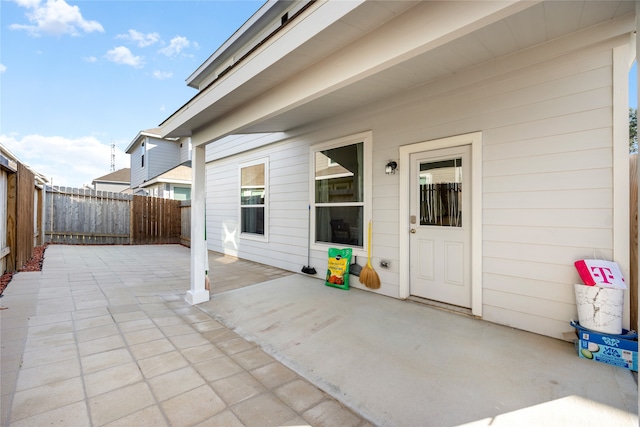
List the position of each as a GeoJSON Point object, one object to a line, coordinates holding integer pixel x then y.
{"type": "Point", "coordinates": [340, 192]}
{"type": "Point", "coordinates": [254, 181]}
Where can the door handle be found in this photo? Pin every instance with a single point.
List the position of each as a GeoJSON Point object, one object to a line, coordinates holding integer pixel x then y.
{"type": "Point", "coordinates": [413, 231]}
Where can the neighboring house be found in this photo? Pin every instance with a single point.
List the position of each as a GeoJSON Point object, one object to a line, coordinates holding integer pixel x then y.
{"type": "Point", "coordinates": [507, 122]}
{"type": "Point", "coordinates": [173, 184]}
{"type": "Point", "coordinates": [116, 182]}
{"type": "Point", "coordinates": [152, 158]}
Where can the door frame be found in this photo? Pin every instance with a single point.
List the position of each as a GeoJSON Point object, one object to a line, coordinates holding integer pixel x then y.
{"type": "Point", "coordinates": [475, 140]}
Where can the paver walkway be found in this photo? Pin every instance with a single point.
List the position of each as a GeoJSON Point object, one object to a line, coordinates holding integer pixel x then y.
{"type": "Point", "coordinates": [102, 336]}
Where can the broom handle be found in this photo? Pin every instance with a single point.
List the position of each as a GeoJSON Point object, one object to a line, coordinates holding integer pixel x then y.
{"type": "Point", "coordinates": [369, 246]}
{"type": "Point", "coordinates": [309, 236]}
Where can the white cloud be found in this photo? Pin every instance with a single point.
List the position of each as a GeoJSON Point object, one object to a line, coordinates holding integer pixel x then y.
{"type": "Point", "coordinates": [90, 59]}
{"type": "Point", "coordinates": [176, 45]}
{"type": "Point", "coordinates": [28, 3]}
{"type": "Point", "coordinates": [162, 75]}
{"type": "Point", "coordinates": [3, 68]}
{"type": "Point", "coordinates": [143, 40]}
{"type": "Point", "coordinates": [55, 17]}
{"type": "Point", "coordinates": [69, 162]}
{"type": "Point", "coordinates": [122, 55]}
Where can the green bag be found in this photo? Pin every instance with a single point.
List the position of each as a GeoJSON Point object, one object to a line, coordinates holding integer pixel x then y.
{"type": "Point", "coordinates": [338, 268]}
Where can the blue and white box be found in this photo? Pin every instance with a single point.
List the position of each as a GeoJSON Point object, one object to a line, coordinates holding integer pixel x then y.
{"type": "Point", "coordinates": [617, 350]}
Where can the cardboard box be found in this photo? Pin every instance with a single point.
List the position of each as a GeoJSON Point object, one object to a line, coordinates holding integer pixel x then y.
{"type": "Point", "coordinates": [617, 350]}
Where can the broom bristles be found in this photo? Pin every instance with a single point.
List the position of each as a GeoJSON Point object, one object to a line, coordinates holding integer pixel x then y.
{"type": "Point", "coordinates": [369, 277]}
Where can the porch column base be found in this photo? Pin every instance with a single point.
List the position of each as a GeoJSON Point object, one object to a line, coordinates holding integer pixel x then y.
{"type": "Point", "coordinates": [197, 297]}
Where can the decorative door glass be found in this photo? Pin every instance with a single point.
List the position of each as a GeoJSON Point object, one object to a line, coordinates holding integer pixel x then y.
{"type": "Point", "coordinates": [441, 193]}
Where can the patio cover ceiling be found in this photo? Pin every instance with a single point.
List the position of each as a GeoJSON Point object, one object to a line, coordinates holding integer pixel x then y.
{"type": "Point", "coordinates": [342, 68]}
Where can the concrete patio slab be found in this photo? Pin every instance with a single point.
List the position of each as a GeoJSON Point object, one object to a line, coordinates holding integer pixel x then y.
{"type": "Point", "coordinates": [103, 337]}
{"type": "Point", "coordinates": [401, 363]}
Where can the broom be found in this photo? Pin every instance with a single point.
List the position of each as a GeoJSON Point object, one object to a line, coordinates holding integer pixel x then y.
{"type": "Point", "coordinates": [368, 275]}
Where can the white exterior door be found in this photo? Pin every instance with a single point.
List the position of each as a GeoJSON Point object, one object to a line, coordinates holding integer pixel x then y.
{"type": "Point", "coordinates": [440, 225]}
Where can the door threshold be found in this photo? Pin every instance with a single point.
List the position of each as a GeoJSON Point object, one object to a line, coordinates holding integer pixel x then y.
{"type": "Point", "coordinates": [441, 305]}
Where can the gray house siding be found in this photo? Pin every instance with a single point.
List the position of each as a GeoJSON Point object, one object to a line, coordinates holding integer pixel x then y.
{"type": "Point", "coordinates": [161, 156]}
{"type": "Point", "coordinates": [138, 174]}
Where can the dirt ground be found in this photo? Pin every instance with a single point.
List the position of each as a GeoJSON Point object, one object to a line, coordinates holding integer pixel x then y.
{"type": "Point", "coordinates": [34, 264]}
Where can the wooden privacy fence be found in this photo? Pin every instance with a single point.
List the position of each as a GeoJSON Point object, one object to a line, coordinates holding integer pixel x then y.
{"type": "Point", "coordinates": [154, 220]}
{"type": "Point", "coordinates": [21, 218]}
{"type": "Point", "coordinates": [185, 223]}
{"type": "Point", "coordinates": [89, 217]}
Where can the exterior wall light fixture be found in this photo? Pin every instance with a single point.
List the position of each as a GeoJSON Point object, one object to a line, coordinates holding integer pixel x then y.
{"type": "Point", "coordinates": [391, 167]}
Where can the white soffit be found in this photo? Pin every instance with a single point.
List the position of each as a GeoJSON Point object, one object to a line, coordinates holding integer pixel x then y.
{"type": "Point", "coordinates": [485, 33]}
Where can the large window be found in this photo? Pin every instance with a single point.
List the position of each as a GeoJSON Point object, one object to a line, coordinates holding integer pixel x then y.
{"type": "Point", "coordinates": [253, 195]}
{"type": "Point", "coordinates": [339, 192]}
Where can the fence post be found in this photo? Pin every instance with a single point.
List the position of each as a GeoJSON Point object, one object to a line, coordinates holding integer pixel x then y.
{"type": "Point", "coordinates": [131, 222]}
{"type": "Point", "coordinates": [12, 198]}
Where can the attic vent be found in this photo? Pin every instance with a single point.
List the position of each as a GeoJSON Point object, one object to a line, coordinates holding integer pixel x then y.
{"type": "Point", "coordinates": [284, 18]}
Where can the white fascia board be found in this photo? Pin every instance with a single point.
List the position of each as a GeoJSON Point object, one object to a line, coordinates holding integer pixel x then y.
{"type": "Point", "coordinates": [141, 135]}
{"type": "Point", "coordinates": [8, 163]}
{"type": "Point", "coordinates": [316, 19]}
{"type": "Point", "coordinates": [8, 154]}
{"type": "Point", "coordinates": [108, 182]}
{"type": "Point", "coordinates": [163, 181]}
{"type": "Point", "coordinates": [397, 41]}
{"type": "Point", "coordinates": [237, 41]}
{"type": "Point", "coordinates": [135, 140]}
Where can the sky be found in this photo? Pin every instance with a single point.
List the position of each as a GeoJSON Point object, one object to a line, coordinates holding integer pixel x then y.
{"type": "Point", "coordinates": [79, 76]}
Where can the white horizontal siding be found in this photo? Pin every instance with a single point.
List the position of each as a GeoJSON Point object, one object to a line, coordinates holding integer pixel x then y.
{"type": "Point", "coordinates": [543, 325]}
{"type": "Point", "coordinates": [590, 238]}
{"type": "Point", "coordinates": [571, 142]}
{"type": "Point", "coordinates": [543, 254]}
{"type": "Point", "coordinates": [582, 198]}
{"type": "Point", "coordinates": [547, 177]}
{"type": "Point", "coordinates": [235, 144]}
{"type": "Point", "coordinates": [570, 217]}
{"type": "Point", "coordinates": [288, 206]}
{"type": "Point", "coordinates": [547, 308]}
{"type": "Point", "coordinates": [550, 181]}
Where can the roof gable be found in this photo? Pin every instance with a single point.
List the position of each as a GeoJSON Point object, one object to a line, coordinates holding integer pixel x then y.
{"type": "Point", "coordinates": [121, 175]}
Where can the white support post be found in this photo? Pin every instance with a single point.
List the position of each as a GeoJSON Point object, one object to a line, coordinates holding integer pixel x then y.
{"type": "Point", "coordinates": [198, 294]}
{"type": "Point", "coordinates": [637, 46]}
{"type": "Point", "coordinates": [637, 94]}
